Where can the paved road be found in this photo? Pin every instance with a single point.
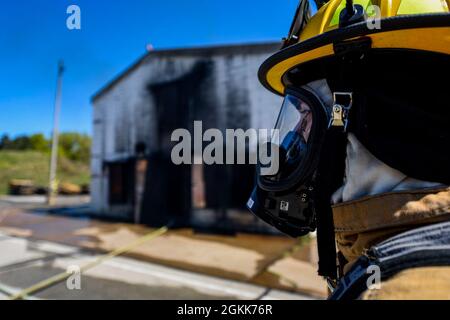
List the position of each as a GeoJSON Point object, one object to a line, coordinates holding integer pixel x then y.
{"type": "Point", "coordinates": [24, 262]}
{"type": "Point", "coordinates": [38, 200]}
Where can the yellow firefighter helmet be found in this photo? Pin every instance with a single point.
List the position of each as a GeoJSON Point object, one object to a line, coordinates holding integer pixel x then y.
{"type": "Point", "coordinates": [322, 30]}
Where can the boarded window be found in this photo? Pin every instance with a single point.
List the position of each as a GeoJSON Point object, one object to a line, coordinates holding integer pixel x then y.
{"type": "Point", "coordinates": [121, 183]}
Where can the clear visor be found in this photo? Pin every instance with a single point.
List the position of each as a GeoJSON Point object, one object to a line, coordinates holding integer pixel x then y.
{"type": "Point", "coordinates": [293, 130]}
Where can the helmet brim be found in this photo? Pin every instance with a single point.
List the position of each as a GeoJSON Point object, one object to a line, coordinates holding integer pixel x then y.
{"type": "Point", "coordinates": [428, 32]}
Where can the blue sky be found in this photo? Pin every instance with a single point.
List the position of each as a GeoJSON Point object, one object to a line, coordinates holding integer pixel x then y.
{"type": "Point", "coordinates": [114, 33]}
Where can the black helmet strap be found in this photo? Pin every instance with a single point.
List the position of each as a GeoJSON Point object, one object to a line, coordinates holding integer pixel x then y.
{"type": "Point", "coordinates": [331, 168]}
{"type": "Point", "coordinates": [330, 176]}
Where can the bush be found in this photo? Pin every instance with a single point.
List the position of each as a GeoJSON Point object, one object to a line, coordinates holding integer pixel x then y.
{"type": "Point", "coordinates": [75, 146]}
{"type": "Point", "coordinates": [38, 142]}
{"type": "Point", "coordinates": [72, 145]}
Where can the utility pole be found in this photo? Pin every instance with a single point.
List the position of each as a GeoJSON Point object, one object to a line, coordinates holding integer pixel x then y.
{"type": "Point", "coordinates": [53, 185]}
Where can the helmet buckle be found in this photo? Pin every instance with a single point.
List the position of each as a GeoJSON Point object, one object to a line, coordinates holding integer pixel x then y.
{"type": "Point", "coordinates": [341, 107]}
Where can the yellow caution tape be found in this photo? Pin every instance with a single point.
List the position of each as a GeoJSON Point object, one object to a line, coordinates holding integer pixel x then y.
{"type": "Point", "coordinates": [64, 275]}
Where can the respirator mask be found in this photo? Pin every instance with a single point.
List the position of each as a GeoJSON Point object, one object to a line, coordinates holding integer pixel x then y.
{"type": "Point", "coordinates": [286, 199]}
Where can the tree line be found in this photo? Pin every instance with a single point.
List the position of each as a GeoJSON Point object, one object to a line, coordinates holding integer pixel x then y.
{"type": "Point", "coordinates": [72, 145]}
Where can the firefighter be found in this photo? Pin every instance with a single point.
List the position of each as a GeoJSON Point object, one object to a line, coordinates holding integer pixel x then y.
{"type": "Point", "coordinates": [364, 144]}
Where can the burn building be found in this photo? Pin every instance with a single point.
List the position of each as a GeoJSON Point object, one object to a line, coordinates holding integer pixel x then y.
{"type": "Point", "coordinates": [133, 177]}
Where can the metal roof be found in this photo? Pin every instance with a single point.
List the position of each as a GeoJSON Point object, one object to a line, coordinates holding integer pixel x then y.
{"type": "Point", "coordinates": [252, 48]}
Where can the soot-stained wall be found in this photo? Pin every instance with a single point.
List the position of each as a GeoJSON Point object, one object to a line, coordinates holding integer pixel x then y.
{"type": "Point", "coordinates": [135, 115]}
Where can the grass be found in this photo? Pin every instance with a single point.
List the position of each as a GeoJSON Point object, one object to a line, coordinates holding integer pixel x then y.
{"type": "Point", "coordinates": [33, 165]}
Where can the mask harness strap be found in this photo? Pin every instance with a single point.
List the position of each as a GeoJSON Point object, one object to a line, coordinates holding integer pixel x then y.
{"type": "Point", "coordinates": [329, 179]}
{"type": "Point", "coordinates": [331, 169]}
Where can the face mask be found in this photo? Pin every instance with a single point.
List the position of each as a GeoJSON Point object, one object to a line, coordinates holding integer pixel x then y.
{"type": "Point", "coordinates": [286, 199]}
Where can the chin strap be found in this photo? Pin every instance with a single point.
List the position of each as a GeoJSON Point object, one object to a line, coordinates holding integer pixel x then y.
{"type": "Point", "coordinates": [330, 176]}
{"type": "Point", "coordinates": [331, 169]}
